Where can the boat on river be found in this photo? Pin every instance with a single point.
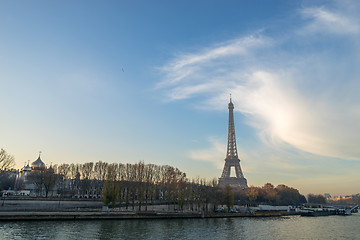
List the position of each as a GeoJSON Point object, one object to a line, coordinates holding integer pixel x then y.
{"type": "Point", "coordinates": [316, 212]}
{"type": "Point", "coordinates": [347, 211]}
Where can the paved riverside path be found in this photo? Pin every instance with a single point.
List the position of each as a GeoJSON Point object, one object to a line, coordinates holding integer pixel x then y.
{"type": "Point", "coordinates": [98, 215]}
{"type": "Point", "coordinates": [8, 216]}
{"type": "Point", "coordinates": [54, 205]}
{"type": "Point", "coordinates": [48, 209]}
{"type": "Point", "coordinates": [46, 204]}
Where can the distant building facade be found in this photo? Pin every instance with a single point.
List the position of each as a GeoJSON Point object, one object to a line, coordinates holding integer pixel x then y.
{"type": "Point", "coordinates": [27, 181]}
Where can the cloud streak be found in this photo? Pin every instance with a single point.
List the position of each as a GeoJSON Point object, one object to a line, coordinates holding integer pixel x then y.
{"type": "Point", "coordinates": [214, 155]}
{"type": "Point", "coordinates": [323, 20]}
{"type": "Point", "coordinates": [299, 99]}
{"type": "Point", "coordinates": [189, 67]}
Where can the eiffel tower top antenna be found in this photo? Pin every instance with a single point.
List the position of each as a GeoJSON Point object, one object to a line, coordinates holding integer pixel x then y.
{"type": "Point", "coordinates": [231, 147]}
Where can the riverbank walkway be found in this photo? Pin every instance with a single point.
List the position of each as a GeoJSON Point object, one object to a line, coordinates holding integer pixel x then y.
{"type": "Point", "coordinates": [91, 215]}
{"type": "Point", "coordinates": [39, 209]}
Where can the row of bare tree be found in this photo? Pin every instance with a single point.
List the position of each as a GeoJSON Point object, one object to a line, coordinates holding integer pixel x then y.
{"type": "Point", "coordinates": [140, 184]}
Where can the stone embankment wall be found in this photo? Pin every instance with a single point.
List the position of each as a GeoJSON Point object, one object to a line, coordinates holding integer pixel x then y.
{"type": "Point", "coordinates": [77, 210]}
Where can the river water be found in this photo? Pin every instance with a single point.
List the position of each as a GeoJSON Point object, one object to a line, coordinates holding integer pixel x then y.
{"type": "Point", "coordinates": [292, 227]}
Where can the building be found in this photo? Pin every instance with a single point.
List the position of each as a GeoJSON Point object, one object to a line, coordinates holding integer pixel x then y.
{"type": "Point", "coordinates": [232, 160]}
{"type": "Point", "coordinates": [42, 181]}
{"type": "Point", "coordinates": [31, 178]}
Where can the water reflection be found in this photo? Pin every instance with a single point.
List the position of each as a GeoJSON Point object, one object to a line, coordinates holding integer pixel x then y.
{"type": "Point", "coordinates": [332, 227]}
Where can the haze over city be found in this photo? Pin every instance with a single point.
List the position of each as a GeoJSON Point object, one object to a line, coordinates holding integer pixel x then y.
{"type": "Point", "coordinates": [119, 81]}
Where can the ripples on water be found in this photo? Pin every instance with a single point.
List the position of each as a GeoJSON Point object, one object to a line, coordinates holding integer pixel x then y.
{"type": "Point", "coordinates": [294, 227]}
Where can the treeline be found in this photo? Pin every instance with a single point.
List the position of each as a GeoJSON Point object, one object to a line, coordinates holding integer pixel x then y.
{"type": "Point", "coordinates": [316, 198]}
{"type": "Point", "coordinates": [140, 184]}
{"type": "Point", "coordinates": [270, 195]}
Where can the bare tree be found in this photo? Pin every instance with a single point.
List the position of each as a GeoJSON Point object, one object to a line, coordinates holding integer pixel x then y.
{"type": "Point", "coordinates": [133, 185]}
{"type": "Point", "coordinates": [63, 174]}
{"type": "Point", "coordinates": [64, 170]}
{"type": "Point", "coordinates": [128, 184]}
{"type": "Point", "coordinates": [120, 172]}
{"type": "Point", "coordinates": [73, 171]}
{"type": "Point", "coordinates": [140, 175]}
{"type": "Point", "coordinates": [7, 180]}
{"type": "Point", "coordinates": [149, 180]}
{"type": "Point", "coordinates": [110, 191]}
{"type": "Point", "coordinates": [37, 178]}
{"type": "Point", "coordinates": [87, 170]}
{"type": "Point", "coordinates": [50, 179]}
{"type": "Point", "coordinates": [7, 161]}
{"type": "Point", "coordinates": [228, 197]}
{"type": "Point", "coordinates": [43, 179]}
{"type": "Point", "coordinates": [100, 169]}
{"type": "Point", "coordinates": [316, 198]}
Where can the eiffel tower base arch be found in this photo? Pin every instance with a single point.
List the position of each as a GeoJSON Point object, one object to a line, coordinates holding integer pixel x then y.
{"type": "Point", "coordinates": [233, 182]}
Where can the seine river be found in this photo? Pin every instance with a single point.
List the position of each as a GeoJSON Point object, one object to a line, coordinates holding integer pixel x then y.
{"type": "Point", "coordinates": [294, 227]}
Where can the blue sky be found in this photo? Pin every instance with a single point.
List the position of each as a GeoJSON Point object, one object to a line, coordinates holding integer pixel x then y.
{"type": "Point", "coordinates": [124, 81]}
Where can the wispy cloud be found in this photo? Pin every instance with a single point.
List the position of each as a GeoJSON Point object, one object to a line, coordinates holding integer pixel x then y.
{"type": "Point", "coordinates": [306, 100]}
{"type": "Point", "coordinates": [190, 67]}
{"type": "Point", "coordinates": [214, 154]}
{"type": "Point", "coordinates": [323, 20]}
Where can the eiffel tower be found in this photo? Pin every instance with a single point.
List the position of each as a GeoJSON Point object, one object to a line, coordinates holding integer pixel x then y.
{"type": "Point", "coordinates": [232, 159]}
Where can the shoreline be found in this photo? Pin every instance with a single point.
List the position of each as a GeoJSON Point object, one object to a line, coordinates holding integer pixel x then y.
{"type": "Point", "coordinates": [37, 209]}
{"type": "Point", "coordinates": [99, 215]}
